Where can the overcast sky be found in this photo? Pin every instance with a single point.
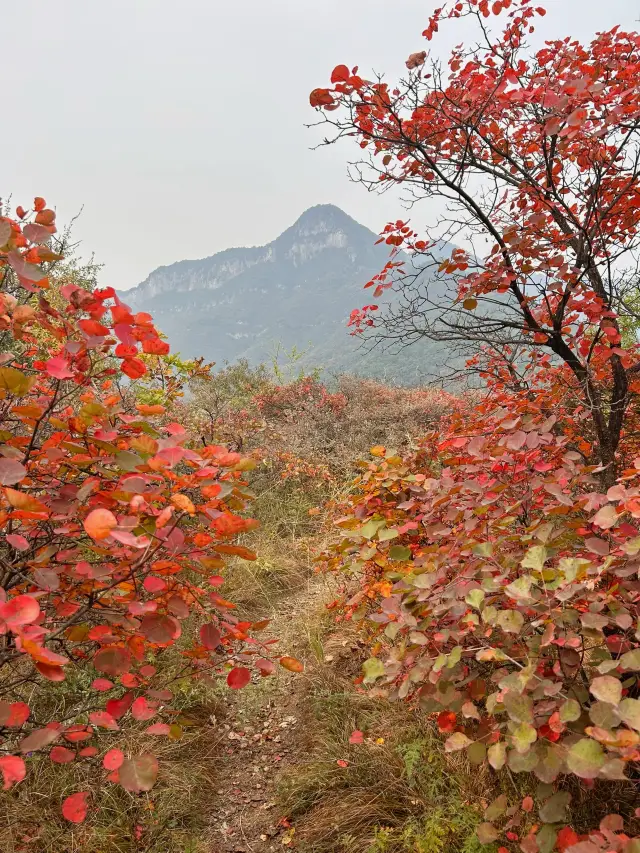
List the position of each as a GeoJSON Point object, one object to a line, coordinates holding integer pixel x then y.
{"type": "Point", "coordinates": [179, 127]}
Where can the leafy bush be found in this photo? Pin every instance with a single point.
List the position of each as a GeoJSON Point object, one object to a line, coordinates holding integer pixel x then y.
{"type": "Point", "coordinates": [116, 525]}
{"type": "Point", "coordinates": [499, 586]}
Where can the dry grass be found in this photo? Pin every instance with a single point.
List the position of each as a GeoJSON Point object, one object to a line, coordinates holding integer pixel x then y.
{"type": "Point", "coordinates": [171, 817]}
{"type": "Point", "coordinates": [398, 792]}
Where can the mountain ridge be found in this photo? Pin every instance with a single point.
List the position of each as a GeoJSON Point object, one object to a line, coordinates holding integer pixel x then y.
{"type": "Point", "coordinates": [295, 291]}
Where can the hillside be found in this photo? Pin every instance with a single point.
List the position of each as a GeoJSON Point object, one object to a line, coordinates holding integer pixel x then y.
{"type": "Point", "coordinates": [296, 291]}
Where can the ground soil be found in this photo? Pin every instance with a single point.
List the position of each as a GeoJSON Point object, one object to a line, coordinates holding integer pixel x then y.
{"type": "Point", "coordinates": [260, 737]}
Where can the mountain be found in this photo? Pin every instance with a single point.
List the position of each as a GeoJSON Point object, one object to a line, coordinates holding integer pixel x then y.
{"type": "Point", "coordinates": [296, 291]}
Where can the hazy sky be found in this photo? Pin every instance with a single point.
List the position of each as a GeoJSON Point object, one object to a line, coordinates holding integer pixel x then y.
{"type": "Point", "coordinates": [179, 127]}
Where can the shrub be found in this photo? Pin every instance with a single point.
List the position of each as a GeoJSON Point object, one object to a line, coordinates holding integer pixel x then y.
{"type": "Point", "coordinates": [115, 525]}
{"type": "Point", "coordinates": [497, 582]}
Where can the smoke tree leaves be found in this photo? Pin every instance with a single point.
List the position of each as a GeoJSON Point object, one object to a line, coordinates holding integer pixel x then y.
{"type": "Point", "coordinates": [138, 774]}
{"type": "Point", "coordinates": [110, 511]}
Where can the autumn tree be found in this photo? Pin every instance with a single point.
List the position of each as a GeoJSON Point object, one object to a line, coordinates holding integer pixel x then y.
{"type": "Point", "coordinates": [532, 160]}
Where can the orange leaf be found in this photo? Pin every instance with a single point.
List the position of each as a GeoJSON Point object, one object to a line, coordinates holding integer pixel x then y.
{"type": "Point", "coordinates": [99, 523]}
{"type": "Point", "coordinates": [23, 501]}
{"type": "Point", "coordinates": [292, 664]}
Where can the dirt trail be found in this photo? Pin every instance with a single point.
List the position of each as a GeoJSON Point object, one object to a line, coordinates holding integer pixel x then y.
{"type": "Point", "coordinates": [258, 738]}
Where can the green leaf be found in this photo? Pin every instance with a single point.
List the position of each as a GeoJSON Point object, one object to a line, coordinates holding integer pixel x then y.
{"type": "Point", "coordinates": [483, 549]}
{"type": "Point", "coordinates": [476, 752]}
{"type": "Point", "coordinates": [585, 758]}
{"type": "Point", "coordinates": [555, 809]}
{"type": "Point", "coordinates": [373, 669]}
{"type": "Point", "coordinates": [511, 621]}
{"type": "Point", "coordinates": [454, 657]}
{"type": "Point", "coordinates": [546, 839]}
{"type": "Point", "coordinates": [456, 742]}
{"type": "Point", "coordinates": [387, 533]}
{"type": "Point", "coordinates": [371, 527]}
{"type": "Point", "coordinates": [535, 558]}
{"type": "Point", "coordinates": [629, 711]}
{"type": "Point", "coordinates": [570, 711]}
{"type": "Point", "coordinates": [399, 552]}
{"type": "Point", "coordinates": [606, 688]}
{"type": "Point", "coordinates": [475, 598]}
{"type": "Point", "coordinates": [520, 589]}
{"type": "Point", "coordinates": [490, 614]}
{"type": "Point", "coordinates": [487, 833]}
{"type": "Point", "coordinates": [550, 763]}
{"type": "Point", "coordinates": [519, 707]}
{"type": "Point", "coordinates": [572, 566]}
{"type": "Point", "coordinates": [127, 461]}
{"type": "Point", "coordinates": [497, 808]}
{"type": "Point", "coordinates": [604, 715]}
{"type": "Point", "coordinates": [523, 736]}
{"type": "Point", "coordinates": [497, 755]}
{"type": "Point", "coordinates": [522, 762]}
{"type": "Point", "coordinates": [631, 660]}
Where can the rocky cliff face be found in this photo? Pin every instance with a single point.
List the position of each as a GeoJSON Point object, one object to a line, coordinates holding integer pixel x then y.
{"type": "Point", "coordinates": [296, 291]}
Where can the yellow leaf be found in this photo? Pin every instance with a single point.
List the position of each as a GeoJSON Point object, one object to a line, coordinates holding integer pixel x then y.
{"type": "Point", "coordinates": [15, 382]}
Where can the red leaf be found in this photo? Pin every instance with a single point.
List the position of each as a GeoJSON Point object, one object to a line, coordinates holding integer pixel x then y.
{"type": "Point", "coordinates": [158, 628]}
{"type": "Point", "coordinates": [210, 636]}
{"type": "Point", "coordinates": [416, 59]}
{"type": "Point", "coordinates": [74, 808]}
{"type": "Point", "coordinates": [38, 739]}
{"type": "Point", "coordinates": [13, 770]}
{"type": "Point", "coordinates": [58, 367]}
{"type": "Point", "coordinates": [133, 368]}
{"type": "Point", "coordinates": [14, 714]}
{"type": "Point", "coordinates": [11, 472]}
{"type": "Point", "coordinates": [158, 729]}
{"type": "Point", "coordinates": [50, 672]}
{"type": "Point", "coordinates": [153, 584]}
{"type": "Point", "coordinates": [18, 542]}
{"type": "Point", "coordinates": [142, 710]}
{"type": "Point", "coordinates": [321, 98]}
{"type": "Point", "coordinates": [446, 721]}
{"type": "Point", "coordinates": [102, 684]}
{"type": "Point", "coordinates": [19, 611]}
{"type": "Point", "coordinates": [239, 677]}
{"type": "Point", "coordinates": [119, 707]}
{"type": "Point", "coordinates": [62, 755]}
{"type": "Point", "coordinates": [527, 804]}
{"type": "Point", "coordinates": [357, 737]}
{"type": "Point", "coordinates": [155, 346]}
{"type": "Point", "coordinates": [178, 607]}
{"type": "Point", "coordinates": [112, 759]}
{"type": "Point", "coordinates": [77, 733]}
{"type": "Point", "coordinates": [340, 74]}
{"type": "Point", "coordinates": [104, 720]}
{"type": "Point", "coordinates": [113, 660]}
{"type": "Point", "coordinates": [266, 667]}
{"type": "Point", "coordinates": [566, 838]}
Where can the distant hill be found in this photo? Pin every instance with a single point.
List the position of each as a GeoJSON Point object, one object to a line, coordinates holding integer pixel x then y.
{"type": "Point", "coordinates": [296, 291]}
